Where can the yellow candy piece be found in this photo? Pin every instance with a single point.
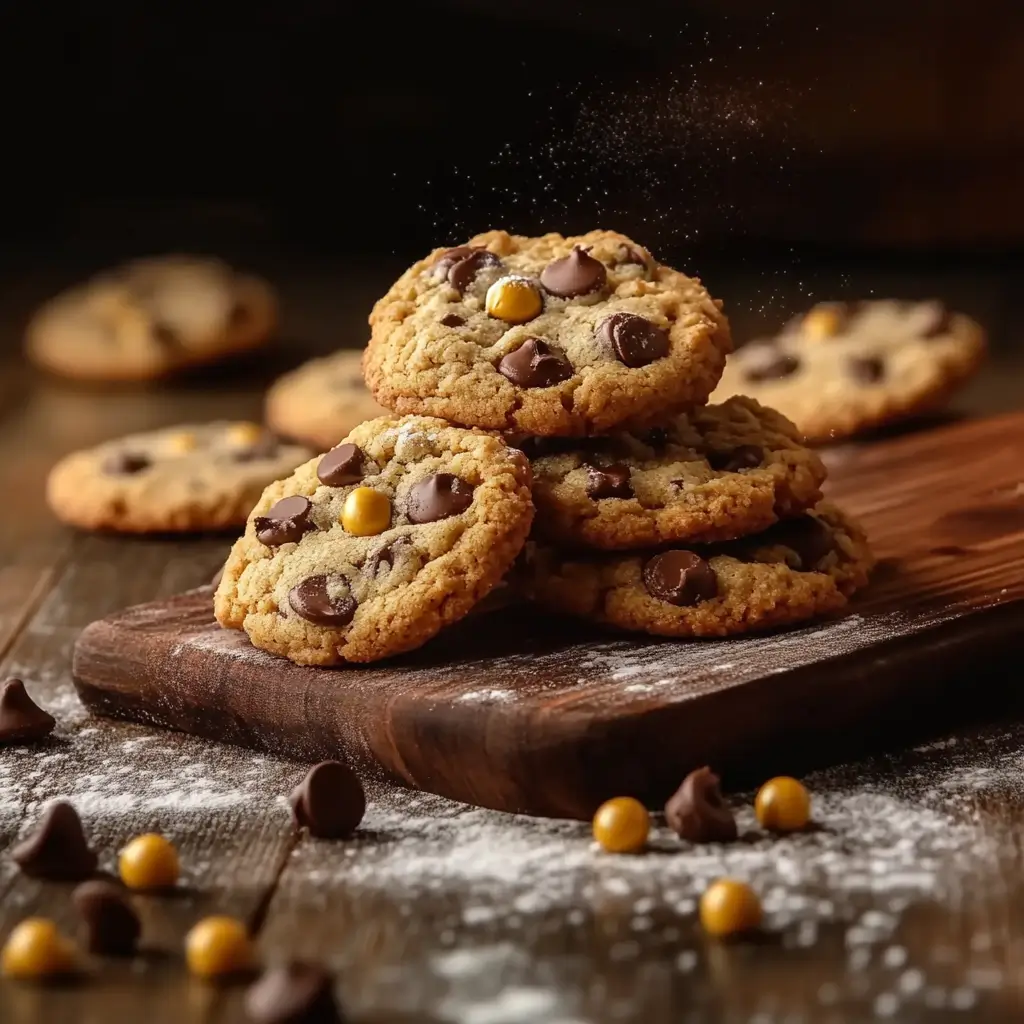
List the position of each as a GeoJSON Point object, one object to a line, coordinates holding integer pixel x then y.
{"type": "Point", "coordinates": [514, 300]}
{"type": "Point", "coordinates": [36, 949]}
{"type": "Point", "coordinates": [366, 512]}
{"type": "Point", "coordinates": [149, 862]}
{"type": "Point", "coordinates": [242, 434]}
{"type": "Point", "coordinates": [217, 946]}
{"type": "Point", "coordinates": [621, 825]}
{"type": "Point", "coordinates": [783, 805]}
{"type": "Point", "coordinates": [182, 443]}
{"type": "Point", "coordinates": [822, 322]}
{"type": "Point", "coordinates": [729, 907]}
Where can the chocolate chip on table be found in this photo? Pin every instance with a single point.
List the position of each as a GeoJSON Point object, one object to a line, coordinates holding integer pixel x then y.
{"type": "Point", "coordinates": [576, 274]}
{"type": "Point", "coordinates": [461, 273]}
{"type": "Point", "coordinates": [57, 850]}
{"type": "Point", "coordinates": [438, 497]}
{"type": "Point", "coordinates": [452, 320]}
{"type": "Point", "coordinates": [311, 601]}
{"type": "Point", "coordinates": [634, 339]}
{"type": "Point", "coordinates": [806, 535]}
{"type": "Point", "coordinates": [765, 362]}
{"type": "Point", "coordinates": [21, 719]}
{"type": "Point", "coordinates": [535, 364]}
{"type": "Point", "coordinates": [697, 812]}
{"type": "Point", "coordinates": [680, 578]}
{"type": "Point", "coordinates": [340, 466]}
{"type": "Point", "coordinates": [112, 927]}
{"type": "Point", "coordinates": [285, 522]}
{"type": "Point", "coordinates": [293, 993]}
{"type": "Point", "coordinates": [125, 463]}
{"type": "Point", "coordinates": [866, 369]}
{"type": "Point", "coordinates": [329, 801]}
{"type": "Point", "coordinates": [609, 481]}
{"type": "Point", "coordinates": [745, 456]}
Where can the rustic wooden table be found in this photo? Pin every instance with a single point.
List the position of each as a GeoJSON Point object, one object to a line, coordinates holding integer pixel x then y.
{"type": "Point", "coordinates": [907, 902]}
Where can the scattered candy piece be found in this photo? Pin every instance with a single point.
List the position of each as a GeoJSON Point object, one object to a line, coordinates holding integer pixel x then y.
{"type": "Point", "coordinates": [783, 805]}
{"type": "Point", "coordinates": [698, 812]}
{"type": "Point", "coordinates": [57, 849]}
{"type": "Point", "coordinates": [293, 993]}
{"type": "Point", "coordinates": [21, 719]}
{"type": "Point", "coordinates": [729, 907]}
{"type": "Point", "coordinates": [621, 825]}
{"type": "Point", "coordinates": [149, 862]}
{"type": "Point", "coordinates": [329, 802]}
{"type": "Point", "coordinates": [35, 949]}
{"type": "Point", "coordinates": [218, 946]}
{"type": "Point", "coordinates": [112, 927]}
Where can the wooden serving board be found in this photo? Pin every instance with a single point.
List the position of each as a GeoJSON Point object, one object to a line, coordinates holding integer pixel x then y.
{"type": "Point", "coordinates": [527, 713]}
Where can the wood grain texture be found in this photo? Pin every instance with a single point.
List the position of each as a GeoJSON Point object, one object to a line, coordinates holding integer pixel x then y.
{"type": "Point", "coordinates": [526, 714]}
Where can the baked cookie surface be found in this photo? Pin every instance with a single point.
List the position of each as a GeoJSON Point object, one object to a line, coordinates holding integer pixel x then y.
{"type": "Point", "coordinates": [150, 318]}
{"type": "Point", "coordinates": [718, 472]}
{"type": "Point", "coordinates": [796, 570]}
{"type": "Point", "coordinates": [374, 547]}
{"type": "Point", "coordinates": [843, 368]}
{"type": "Point", "coordinates": [549, 336]}
{"type": "Point", "coordinates": [191, 477]}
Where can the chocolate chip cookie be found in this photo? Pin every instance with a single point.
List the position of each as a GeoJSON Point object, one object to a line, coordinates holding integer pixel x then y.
{"type": "Point", "coordinates": [373, 548]}
{"type": "Point", "coordinates": [846, 367]}
{"type": "Point", "coordinates": [795, 570]}
{"type": "Point", "coordinates": [322, 400]}
{"type": "Point", "coordinates": [192, 477]}
{"type": "Point", "coordinates": [150, 318]}
{"type": "Point", "coordinates": [719, 472]}
{"type": "Point", "coordinates": [549, 336]}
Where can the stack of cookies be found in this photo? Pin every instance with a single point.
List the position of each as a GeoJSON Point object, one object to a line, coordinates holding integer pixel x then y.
{"type": "Point", "coordinates": [550, 429]}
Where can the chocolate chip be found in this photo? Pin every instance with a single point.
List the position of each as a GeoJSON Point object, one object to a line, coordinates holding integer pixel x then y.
{"type": "Point", "coordinates": [698, 813]}
{"type": "Point", "coordinates": [285, 522]}
{"type": "Point", "coordinates": [57, 850]}
{"type": "Point", "coordinates": [610, 482]}
{"type": "Point", "coordinates": [112, 927]}
{"type": "Point", "coordinates": [576, 274]}
{"type": "Point", "coordinates": [329, 801]}
{"type": "Point", "coordinates": [340, 466]}
{"type": "Point", "coordinates": [293, 993]}
{"type": "Point", "coordinates": [125, 463]}
{"type": "Point", "coordinates": [535, 364]}
{"type": "Point", "coordinates": [385, 555]}
{"type": "Point", "coordinates": [462, 271]}
{"type": "Point", "coordinates": [806, 535]}
{"type": "Point", "coordinates": [448, 259]}
{"type": "Point", "coordinates": [746, 456]}
{"type": "Point", "coordinates": [765, 362]}
{"type": "Point", "coordinates": [452, 320]}
{"type": "Point", "coordinates": [630, 254]}
{"type": "Point", "coordinates": [866, 369]}
{"type": "Point", "coordinates": [634, 339]}
{"type": "Point", "coordinates": [680, 578]}
{"type": "Point", "coordinates": [21, 719]}
{"type": "Point", "coordinates": [311, 600]}
{"type": "Point", "coordinates": [438, 497]}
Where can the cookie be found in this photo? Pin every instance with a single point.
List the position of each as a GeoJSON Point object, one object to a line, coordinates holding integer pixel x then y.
{"type": "Point", "coordinates": [185, 478]}
{"type": "Point", "coordinates": [796, 570]}
{"type": "Point", "coordinates": [718, 472]}
{"type": "Point", "coordinates": [150, 318]}
{"type": "Point", "coordinates": [322, 400]}
{"type": "Point", "coordinates": [548, 336]}
{"type": "Point", "coordinates": [846, 367]}
{"type": "Point", "coordinates": [373, 548]}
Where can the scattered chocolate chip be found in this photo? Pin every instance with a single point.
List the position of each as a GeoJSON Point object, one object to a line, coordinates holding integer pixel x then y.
{"type": "Point", "coordinates": [697, 812]}
{"type": "Point", "coordinates": [311, 600]}
{"type": "Point", "coordinates": [112, 927]}
{"type": "Point", "coordinates": [609, 482]}
{"type": "Point", "coordinates": [293, 993]}
{"type": "Point", "coordinates": [631, 254]}
{"type": "Point", "coordinates": [165, 335]}
{"type": "Point", "coordinates": [452, 320]}
{"type": "Point", "coordinates": [57, 850]}
{"type": "Point", "coordinates": [746, 456]}
{"type": "Point", "coordinates": [340, 466]}
{"type": "Point", "coordinates": [765, 362]}
{"type": "Point", "coordinates": [576, 274]}
{"type": "Point", "coordinates": [385, 555]}
{"type": "Point", "coordinates": [866, 369]}
{"type": "Point", "coordinates": [21, 719]}
{"type": "Point", "coordinates": [329, 801]}
{"type": "Point", "coordinates": [461, 273]}
{"type": "Point", "coordinates": [808, 536]}
{"type": "Point", "coordinates": [634, 339]}
{"type": "Point", "coordinates": [285, 522]}
{"type": "Point", "coordinates": [535, 364]}
{"type": "Point", "coordinates": [125, 463]}
{"type": "Point", "coordinates": [680, 578]}
{"type": "Point", "coordinates": [438, 497]}
{"type": "Point", "coordinates": [939, 321]}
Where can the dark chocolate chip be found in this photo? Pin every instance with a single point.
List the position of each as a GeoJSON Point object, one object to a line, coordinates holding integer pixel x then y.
{"type": "Point", "coordinates": [939, 321]}
{"type": "Point", "coordinates": [535, 364]}
{"type": "Point", "coordinates": [312, 602]}
{"type": "Point", "coordinates": [329, 801]}
{"type": "Point", "coordinates": [21, 719]}
{"type": "Point", "coordinates": [340, 466]}
{"type": "Point", "coordinates": [285, 522]}
{"type": "Point", "coordinates": [806, 535]}
{"type": "Point", "coordinates": [609, 482]}
{"type": "Point", "coordinates": [385, 555]}
{"type": "Point", "coordinates": [438, 497]}
{"type": "Point", "coordinates": [293, 993]}
{"type": "Point", "coordinates": [631, 254]}
{"type": "Point", "coordinates": [697, 812]}
{"type": "Point", "coordinates": [576, 274]}
{"type": "Point", "coordinates": [452, 320]}
{"type": "Point", "coordinates": [112, 927]}
{"type": "Point", "coordinates": [445, 262]}
{"type": "Point", "coordinates": [165, 335]}
{"type": "Point", "coordinates": [746, 456]}
{"type": "Point", "coordinates": [57, 850]}
{"type": "Point", "coordinates": [461, 274]}
{"type": "Point", "coordinates": [866, 369]}
{"type": "Point", "coordinates": [765, 362]}
{"type": "Point", "coordinates": [634, 339]}
{"type": "Point", "coordinates": [680, 578]}
{"type": "Point", "coordinates": [125, 463]}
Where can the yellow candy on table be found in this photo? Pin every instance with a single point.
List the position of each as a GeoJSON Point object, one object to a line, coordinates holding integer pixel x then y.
{"type": "Point", "coordinates": [149, 862]}
{"type": "Point", "coordinates": [783, 805]}
{"type": "Point", "coordinates": [822, 322]}
{"type": "Point", "coordinates": [218, 946]}
{"type": "Point", "coordinates": [36, 949]}
{"type": "Point", "coordinates": [514, 300]}
{"type": "Point", "coordinates": [621, 825]}
{"type": "Point", "coordinates": [244, 433]}
{"type": "Point", "coordinates": [183, 443]}
{"type": "Point", "coordinates": [729, 907]}
{"type": "Point", "coordinates": [366, 512]}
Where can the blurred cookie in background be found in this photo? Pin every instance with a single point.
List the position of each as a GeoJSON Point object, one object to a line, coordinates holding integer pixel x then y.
{"type": "Point", "coordinates": [321, 401]}
{"type": "Point", "coordinates": [150, 318]}
{"type": "Point", "coordinates": [843, 368]}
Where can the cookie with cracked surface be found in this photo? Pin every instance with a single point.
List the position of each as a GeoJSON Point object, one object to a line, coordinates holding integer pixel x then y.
{"type": "Point", "coordinates": [322, 400]}
{"type": "Point", "coordinates": [180, 479]}
{"type": "Point", "coordinates": [151, 318]}
{"type": "Point", "coordinates": [718, 472]}
{"type": "Point", "coordinates": [549, 336]}
{"type": "Point", "coordinates": [373, 548]}
{"type": "Point", "coordinates": [796, 570]}
{"type": "Point", "coordinates": [846, 367]}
